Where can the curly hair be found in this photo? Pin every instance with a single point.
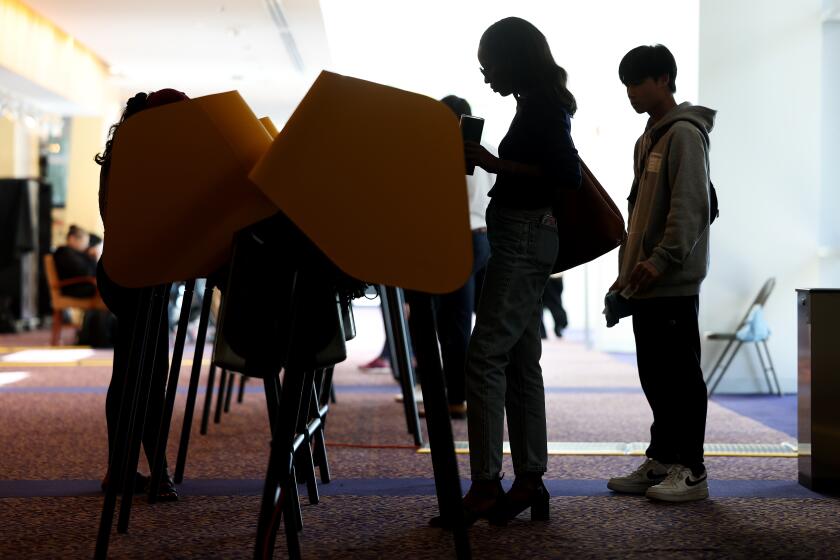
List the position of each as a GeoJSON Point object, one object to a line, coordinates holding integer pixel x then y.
{"type": "Point", "coordinates": [133, 106]}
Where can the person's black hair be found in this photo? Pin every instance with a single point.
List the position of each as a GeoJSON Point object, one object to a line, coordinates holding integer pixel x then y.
{"type": "Point", "coordinates": [458, 105]}
{"type": "Point", "coordinates": [523, 51]}
{"type": "Point", "coordinates": [134, 105]}
{"type": "Point", "coordinates": [648, 61]}
{"type": "Point", "coordinates": [75, 231]}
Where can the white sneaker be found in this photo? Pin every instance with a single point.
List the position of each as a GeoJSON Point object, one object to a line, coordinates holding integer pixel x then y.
{"type": "Point", "coordinates": [680, 486]}
{"type": "Point", "coordinates": [649, 473]}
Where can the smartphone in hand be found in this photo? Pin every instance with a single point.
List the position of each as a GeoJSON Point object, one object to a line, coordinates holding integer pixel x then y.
{"type": "Point", "coordinates": [471, 128]}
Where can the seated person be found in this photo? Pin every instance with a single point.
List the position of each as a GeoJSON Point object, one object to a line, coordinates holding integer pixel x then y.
{"type": "Point", "coordinates": [73, 260]}
{"type": "Point", "coordinates": [99, 325]}
{"type": "Point", "coordinates": [94, 249]}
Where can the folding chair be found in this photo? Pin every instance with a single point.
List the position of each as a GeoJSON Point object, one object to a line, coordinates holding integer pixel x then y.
{"type": "Point", "coordinates": [745, 333]}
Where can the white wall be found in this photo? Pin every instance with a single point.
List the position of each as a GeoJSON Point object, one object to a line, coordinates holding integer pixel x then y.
{"type": "Point", "coordinates": [762, 64]}
{"type": "Point", "coordinates": [761, 68]}
{"type": "Point", "coordinates": [86, 140]}
{"type": "Point", "coordinates": [430, 47]}
{"type": "Point", "coordinates": [830, 202]}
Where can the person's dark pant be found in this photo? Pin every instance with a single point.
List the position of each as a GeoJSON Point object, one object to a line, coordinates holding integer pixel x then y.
{"type": "Point", "coordinates": [668, 356]}
{"type": "Point", "coordinates": [454, 323]}
{"type": "Point", "coordinates": [124, 303]}
{"type": "Point", "coordinates": [553, 300]}
{"type": "Point", "coordinates": [503, 365]}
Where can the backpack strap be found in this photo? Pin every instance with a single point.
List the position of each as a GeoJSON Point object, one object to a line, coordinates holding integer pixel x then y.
{"type": "Point", "coordinates": [714, 210]}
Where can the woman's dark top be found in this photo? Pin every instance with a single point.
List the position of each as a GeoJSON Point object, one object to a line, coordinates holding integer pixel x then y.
{"type": "Point", "coordinates": [539, 135]}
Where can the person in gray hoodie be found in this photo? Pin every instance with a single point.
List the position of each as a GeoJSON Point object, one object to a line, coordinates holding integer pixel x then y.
{"type": "Point", "coordinates": [662, 263]}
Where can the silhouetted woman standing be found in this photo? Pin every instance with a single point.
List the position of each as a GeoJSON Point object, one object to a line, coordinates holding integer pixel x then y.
{"type": "Point", "coordinates": [125, 304]}
{"type": "Point", "coordinates": [537, 159]}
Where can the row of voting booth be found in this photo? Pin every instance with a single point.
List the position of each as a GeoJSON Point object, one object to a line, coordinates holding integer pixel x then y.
{"type": "Point", "coordinates": [365, 184]}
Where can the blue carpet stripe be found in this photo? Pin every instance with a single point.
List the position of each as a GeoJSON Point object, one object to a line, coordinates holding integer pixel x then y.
{"type": "Point", "coordinates": [346, 389]}
{"type": "Point", "coordinates": [779, 413]}
{"type": "Point", "coordinates": [396, 487]}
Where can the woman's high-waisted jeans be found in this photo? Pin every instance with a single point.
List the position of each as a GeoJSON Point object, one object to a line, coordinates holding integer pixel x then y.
{"type": "Point", "coordinates": [503, 361]}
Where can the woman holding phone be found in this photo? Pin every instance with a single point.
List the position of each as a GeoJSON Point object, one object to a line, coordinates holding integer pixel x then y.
{"type": "Point", "coordinates": [537, 159]}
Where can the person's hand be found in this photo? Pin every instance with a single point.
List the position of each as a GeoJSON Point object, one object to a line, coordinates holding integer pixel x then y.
{"type": "Point", "coordinates": [95, 252]}
{"type": "Point", "coordinates": [478, 155]}
{"type": "Point", "coordinates": [644, 274]}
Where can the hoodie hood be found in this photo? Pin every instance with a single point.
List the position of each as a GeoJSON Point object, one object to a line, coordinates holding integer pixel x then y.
{"type": "Point", "coordinates": [701, 117]}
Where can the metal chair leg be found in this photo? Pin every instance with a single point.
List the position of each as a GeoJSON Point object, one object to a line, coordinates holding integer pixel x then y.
{"type": "Point", "coordinates": [55, 340]}
{"type": "Point", "coordinates": [718, 362]}
{"type": "Point", "coordinates": [772, 368]}
{"type": "Point", "coordinates": [770, 388]}
{"type": "Point", "coordinates": [725, 367]}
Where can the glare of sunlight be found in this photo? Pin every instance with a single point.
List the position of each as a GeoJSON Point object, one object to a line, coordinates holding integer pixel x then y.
{"type": "Point", "coordinates": [48, 356]}
{"type": "Point", "coordinates": [9, 377]}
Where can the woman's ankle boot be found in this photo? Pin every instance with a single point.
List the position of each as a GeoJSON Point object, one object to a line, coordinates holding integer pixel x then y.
{"type": "Point", "coordinates": [528, 491]}
{"type": "Point", "coordinates": [483, 500]}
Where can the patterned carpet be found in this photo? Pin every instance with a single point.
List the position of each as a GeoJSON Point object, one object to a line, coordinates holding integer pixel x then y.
{"type": "Point", "coordinates": [54, 450]}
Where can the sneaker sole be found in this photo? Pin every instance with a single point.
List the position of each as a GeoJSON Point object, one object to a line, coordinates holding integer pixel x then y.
{"type": "Point", "coordinates": [693, 495]}
{"type": "Point", "coordinates": [628, 488]}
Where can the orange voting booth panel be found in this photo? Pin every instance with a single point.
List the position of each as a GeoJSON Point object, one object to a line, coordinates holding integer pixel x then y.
{"type": "Point", "coordinates": [179, 189]}
{"type": "Point", "coordinates": [375, 177]}
{"type": "Point", "coordinates": [269, 126]}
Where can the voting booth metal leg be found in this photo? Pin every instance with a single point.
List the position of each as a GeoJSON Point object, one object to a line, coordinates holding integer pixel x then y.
{"type": "Point", "coordinates": [241, 395]}
{"type": "Point", "coordinates": [272, 401]}
{"type": "Point", "coordinates": [273, 395]}
{"type": "Point", "coordinates": [117, 462]}
{"type": "Point", "coordinates": [320, 397]}
{"type": "Point", "coordinates": [305, 458]}
{"type": "Point", "coordinates": [208, 400]}
{"type": "Point", "coordinates": [220, 399]}
{"type": "Point", "coordinates": [229, 393]}
{"type": "Point", "coordinates": [398, 340]}
{"type": "Point", "coordinates": [171, 390]}
{"type": "Point", "coordinates": [279, 498]}
{"type": "Point", "coordinates": [160, 297]}
{"type": "Point", "coordinates": [186, 427]}
{"type": "Point", "coordinates": [438, 424]}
